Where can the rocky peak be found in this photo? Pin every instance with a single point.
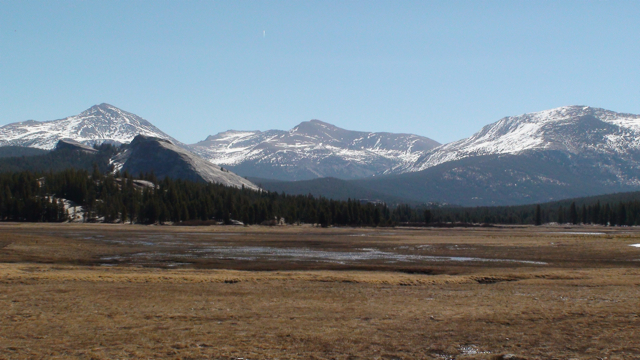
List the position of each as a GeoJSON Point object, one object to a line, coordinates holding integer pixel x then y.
{"type": "Point", "coordinates": [98, 124]}
{"type": "Point", "coordinates": [147, 154]}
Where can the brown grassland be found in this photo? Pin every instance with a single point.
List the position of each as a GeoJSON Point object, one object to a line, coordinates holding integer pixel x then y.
{"type": "Point", "coordinates": [92, 291]}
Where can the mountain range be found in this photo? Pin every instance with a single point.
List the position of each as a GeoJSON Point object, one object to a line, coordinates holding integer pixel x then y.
{"type": "Point", "coordinates": [313, 149]}
{"type": "Point", "coordinates": [549, 155]}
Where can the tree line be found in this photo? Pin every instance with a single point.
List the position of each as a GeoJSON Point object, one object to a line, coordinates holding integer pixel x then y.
{"type": "Point", "coordinates": [122, 197]}
{"type": "Point", "coordinates": [616, 213]}
{"type": "Point", "coordinates": [144, 199]}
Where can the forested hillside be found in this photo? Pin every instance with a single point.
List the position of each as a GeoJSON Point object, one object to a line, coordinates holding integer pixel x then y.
{"type": "Point", "coordinates": [117, 198]}
{"type": "Point", "coordinates": [15, 151]}
{"type": "Point", "coordinates": [59, 159]}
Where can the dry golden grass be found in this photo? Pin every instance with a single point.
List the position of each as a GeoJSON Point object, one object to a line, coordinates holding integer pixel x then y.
{"type": "Point", "coordinates": [56, 301]}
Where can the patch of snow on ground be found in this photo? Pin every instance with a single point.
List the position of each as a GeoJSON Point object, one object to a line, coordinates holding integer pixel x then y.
{"type": "Point", "coordinates": [635, 245]}
{"type": "Point", "coordinates": [471, 350]}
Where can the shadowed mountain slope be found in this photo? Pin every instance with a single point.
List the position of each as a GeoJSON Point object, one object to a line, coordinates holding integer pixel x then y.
{"type": "Point", "coordinates": [331, 188]}
{"type": "Point", "coordinates": [530, 177]}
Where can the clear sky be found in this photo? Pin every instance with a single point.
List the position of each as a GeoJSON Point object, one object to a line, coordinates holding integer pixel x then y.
{"type": "Point", "coordinates": [441, 69]}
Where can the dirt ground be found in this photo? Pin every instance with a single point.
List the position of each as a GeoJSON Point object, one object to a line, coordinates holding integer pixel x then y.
{"type": "Point", "coordinates": [146, 292]}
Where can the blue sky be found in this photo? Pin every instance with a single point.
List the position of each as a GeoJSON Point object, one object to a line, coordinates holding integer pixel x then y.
{"type": "Point", "coordinates": [441, 69]}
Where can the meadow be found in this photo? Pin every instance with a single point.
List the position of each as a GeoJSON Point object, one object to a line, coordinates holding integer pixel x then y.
{"type": "Point", "coordinates": [98, 291]}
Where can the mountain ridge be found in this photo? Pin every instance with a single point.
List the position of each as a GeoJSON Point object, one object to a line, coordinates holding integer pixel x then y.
{"type": "Point", "coordinates": [312, 149]}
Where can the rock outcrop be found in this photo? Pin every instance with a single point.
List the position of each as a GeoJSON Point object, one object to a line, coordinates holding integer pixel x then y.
{"type": "Point", "coordinates": [69, 144]}
{"type": "Point", "coordinates": [165, 159]}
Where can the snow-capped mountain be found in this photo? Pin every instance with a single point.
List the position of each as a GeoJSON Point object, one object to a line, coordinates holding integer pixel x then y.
{"type": "Point", "coordinates": [313, 149]}
{"type": "Point", "coordinates": [96, 125]}
{"type": "Point", "coordinates": [578, 130]}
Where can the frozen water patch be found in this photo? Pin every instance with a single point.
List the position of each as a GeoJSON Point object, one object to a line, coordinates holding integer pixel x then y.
{"type": "Point", "coordinates": [174, 264]}
{"type": "Point", "coordinates": [252, 253]}
{"type": "Point", "coordinates": [575, 233]}
{"type": "Point", "coordinates": [122, 242]}
{"type": "Point", "coordinates": [635, 245]}
{"type": "Point", "coordinates": [271, 253]}
{"type": "Point", "coordinates": [176, 248]}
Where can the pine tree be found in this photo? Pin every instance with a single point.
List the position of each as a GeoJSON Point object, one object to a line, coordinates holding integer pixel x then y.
{"type": "Point", "coordinates": [573, 213]}
{"type": "Point", "coordinates": [560, 215]}
{"type": "Point", "coordinates": [427, 217]}
{"type": "Point", "coordinates": [622, 214]}
{"type": "Point", "coordinates": [538, 215]}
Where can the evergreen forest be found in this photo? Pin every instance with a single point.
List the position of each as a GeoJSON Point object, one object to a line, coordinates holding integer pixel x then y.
{"type": "Point", "coordinates": [33, 196]}
{"type": "Point", "coordinates": [144, 199]}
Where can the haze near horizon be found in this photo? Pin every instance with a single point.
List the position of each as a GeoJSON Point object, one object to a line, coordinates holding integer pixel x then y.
{"type": "Point", "coordinates": [437, 69]}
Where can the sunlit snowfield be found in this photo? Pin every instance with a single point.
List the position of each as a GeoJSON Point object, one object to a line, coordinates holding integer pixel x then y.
{"type": "Point", "coordinates": [111, 291]}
